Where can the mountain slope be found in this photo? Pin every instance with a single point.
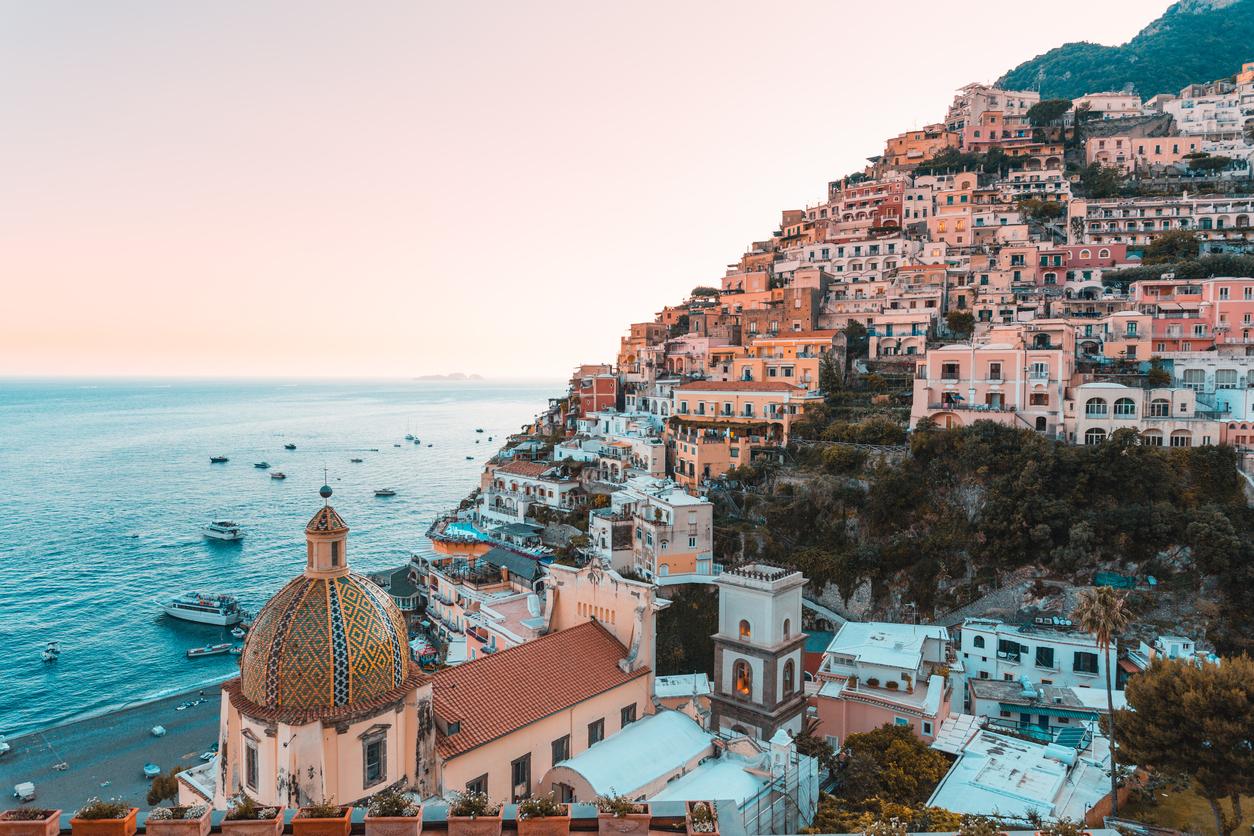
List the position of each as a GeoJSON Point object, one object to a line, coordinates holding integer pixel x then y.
{"type": "Point", "coordinates": [1194, 41]}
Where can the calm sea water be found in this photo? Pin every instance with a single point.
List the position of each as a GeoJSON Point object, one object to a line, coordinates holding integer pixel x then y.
{"type": "Point", "coordinates": [104, 487]}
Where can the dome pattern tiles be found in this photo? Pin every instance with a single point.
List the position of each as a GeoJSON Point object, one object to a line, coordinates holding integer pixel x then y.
{"type": "Point", "coordinates": [324, 643]}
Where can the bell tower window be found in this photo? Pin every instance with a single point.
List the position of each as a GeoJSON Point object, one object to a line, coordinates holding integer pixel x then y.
{"type": "Point", "coordinates": [743, 678]}
{"type": "Point", "coordinates": [745, 632]}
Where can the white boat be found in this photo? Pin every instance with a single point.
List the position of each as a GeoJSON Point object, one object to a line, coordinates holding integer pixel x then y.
{"type": "Point", "coordinates": [222, 610]}
{"type": "Point", "coordinates": [223, 530]}
{"type": "Point", "coordinates": [239, 632]}
{"type": "Point", "coordinates": [209, 650]}
{"type": "Point", "coordinates": [385, 492]}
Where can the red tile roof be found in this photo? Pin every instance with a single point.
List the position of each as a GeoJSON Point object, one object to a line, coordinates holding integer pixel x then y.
{"type": "Point", "coordinates": [524, 468]}
{"type": "Point", "coordinates": [495, 695]}
{"type": "Point", "coordinates": [738, 386]}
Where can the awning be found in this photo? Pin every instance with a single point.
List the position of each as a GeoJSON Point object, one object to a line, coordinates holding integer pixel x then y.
{"type": "Point", "coordinates": [1050, 711]}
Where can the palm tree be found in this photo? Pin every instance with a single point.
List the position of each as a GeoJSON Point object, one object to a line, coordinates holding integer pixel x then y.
{"type": "Point", "coordinates": [1103, 612]}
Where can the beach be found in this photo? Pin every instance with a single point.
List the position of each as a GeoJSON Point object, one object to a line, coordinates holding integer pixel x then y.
{"type": "Point", "coordinates": [106, 753]}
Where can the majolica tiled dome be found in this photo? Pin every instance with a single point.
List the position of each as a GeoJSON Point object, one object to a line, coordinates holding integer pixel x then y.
{"type": "Point", "coordinates": [325, 642]}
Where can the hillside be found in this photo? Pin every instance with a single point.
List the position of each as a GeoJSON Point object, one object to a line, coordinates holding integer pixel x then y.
{"type": "Point", "coordinates": [1194, 41]}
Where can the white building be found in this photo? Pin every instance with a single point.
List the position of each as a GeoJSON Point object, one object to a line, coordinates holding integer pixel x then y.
{"type": "Point", "coordinates": [992, 649]}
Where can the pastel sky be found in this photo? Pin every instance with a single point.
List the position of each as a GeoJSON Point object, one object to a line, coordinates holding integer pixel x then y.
{"type": "Point", "coordinates": [253, 187]}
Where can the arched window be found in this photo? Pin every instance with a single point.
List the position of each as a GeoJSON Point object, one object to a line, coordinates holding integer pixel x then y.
{"type": "Point", "coordinates": [1095, 408]}
{"type": "Point", "coordinates": [742, 678]}
{"type": "Point", "coordinates": [787, 628]}
{"type": "Point", "coordinates": [1160, 408]}
{"type": "Point", "coordinates": [1225, 378]}
{"type": "Point", "coordinates": [1095, 435]}
{"type": "Point", "coordinates": [1086, 253]}
{"type": "Point", "coordinates": [745, 632]}
{"type": "Point", "coordinates": [978, 641]}
{"type": "Point", "coordinates": [1182, 438]}
{"type": "Point", "coordinates": [1103, 253]}
{"type": "Point", "coordinates": [1125, 408]}
{"type": "Point", "coordinates": [790, 677]}
{"type": "Point", "coordinates": [1152, 438]}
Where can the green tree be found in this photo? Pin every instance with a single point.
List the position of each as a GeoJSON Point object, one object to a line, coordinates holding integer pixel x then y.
{"type": "Point", "coordinates": [1048, 112]}
{"type": "Point", "coordinates": [1100, 181]}
{"type": "Point", "coordinates": [704, 290]}
{"type": "Point", "coordinates": [1194, 723]}
{"type": "Point", "coordinates": [831, 376]}
{"type": "Point", "coordinates": [1157, 376]}
{"type": "Point", "coordinates": [890, 762]}
{"type": "Point", "coordinates": [856, 340]}
{"type": "Point", "coordinates": [1173, 245]}
{"type": "Point", "coordinates": [810, 743]}
{"type": "Point", "coordinates": [1104, 613]}
{"type": "Point", "coordinates": [961, 323]}
{"type": "Point", "coordinates": [164, 786]}
{"type": "Point", "coordinates": [1209, 164]}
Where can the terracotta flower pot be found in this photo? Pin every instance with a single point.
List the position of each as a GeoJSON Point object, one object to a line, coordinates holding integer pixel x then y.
{"type": "Point", "coordinates": [688, 823]}
{"type": "Point", "coordinates": [105, 827]}
{"type": "Point", "coordinates": [609, 824]}
{"type": "Point", "coordinates": [394, 825]}
{"type": "Point", "coordinates": [254, 827]}
{"type": "Point", "coordinates": [337, 826]}
{"type": "Point", "coordinates": [179, 827]}
{"type": "Point", "coordinates": [474, 825]}
{"type": "Point", "coordinates": [47, 826]}
{"type": "Point", "coordinates": [545, 826]}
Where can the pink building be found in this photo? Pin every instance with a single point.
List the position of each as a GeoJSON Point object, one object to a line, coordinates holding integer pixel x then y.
{"type": "Point", "coordinates": [875, 673]}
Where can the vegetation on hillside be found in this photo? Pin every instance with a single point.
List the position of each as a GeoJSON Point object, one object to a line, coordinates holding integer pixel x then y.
{"type": "Point", "coordinates": [1193, 41]}
{"type": "Point", "coordinates": [1201, 267]}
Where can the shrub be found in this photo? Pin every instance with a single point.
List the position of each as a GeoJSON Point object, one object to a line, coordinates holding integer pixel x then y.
{"type": "Point", "coordinates": [891, 685]}
{"type": "Point", "coordinates": [114, 808]}
{"type": "Point", "coordinates": [702, 816]}
{"type": "Point", "coordinates": [892, 827]}
{"type": "Point", "coordinates": [618, 805]}
{"type": "Point", "coordinates": [541, 807]}
{"type": "Point", "coordinates": [873, 681]}
{"type": "Point", "coordinates": [978, 826]}
{"type": "Point", "coordinates": [25, 814]}
{"type": "Point", "coordinates": [178, 811]}
{"type": "Point", "coordinates": [323, 810]}
{"type": "Point", "coordinates": [472, 805]}
{"type": "Point", "coordinates": [246, 808]}
{"type": "Point", "coordinates": [393, 804]}
{"type": "Point", "coordinates": [843, 459]}
{"type": "Point", "coordinates": [1062, 827]}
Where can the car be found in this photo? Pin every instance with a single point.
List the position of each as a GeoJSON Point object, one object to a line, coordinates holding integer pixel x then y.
{"type": "Point", "coordinates": [151, 770]}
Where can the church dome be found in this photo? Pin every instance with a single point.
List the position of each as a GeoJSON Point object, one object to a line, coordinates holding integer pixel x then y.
{"type": "Point", "coordinates": [327, 641]}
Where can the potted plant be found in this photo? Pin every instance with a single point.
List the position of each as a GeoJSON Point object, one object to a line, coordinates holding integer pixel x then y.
{"type": "Point", "coordinates": [872, 682]}
{"type": "Point", "coordinates": [979, 826]}
{"type": "Point", "coordinates": [616, 814]}
{"type": "Point", "coordinates": [179, 820]}
{"type": "Point", "coordinates": [543, 815]}
{"type": "Point", "coordinates": [393, 813]}
{"type": "Point", "coordinates": [30, 821]}
{"type": "Point", "coordinates": [325, 819]}
{"type": "Point", "coordinates": [1062, 827]}
{"type": "Point", "coordinates": [473, 814]}
{"type": "Point", "coordinates": [247, 817]}
{"type": "Point", "coordinates": [701, 817]}
{"type": "Point", "coordinates": [104, 818]}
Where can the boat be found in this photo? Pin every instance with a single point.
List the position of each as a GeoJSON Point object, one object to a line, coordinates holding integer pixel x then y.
{"type": "Point", "coordinates": [151, 770]}
{"type": "Point", "coordinates": [418, 441]}
{"type": "Point", "coordinates": [478, 429]}
{"type": "Point", "coordinates": [238, 632]}
{"type": "Point", "coordinates": [209, 650]}
{"type": "Point", "coordinates": [469, 457]}
{"type": "Point", "coordinates": [385, 492]}
{"type": "Point", "coordinates": [396, 445]}
{"type": "Point", "coordinates": [52, 651]}
{"type": "Point", "coordinates": [278, 474]}
{"type": "Point", "coordinates": [430, 445]}
{"type": "Point", "coordinates": [289, 446]}
{"type": "Point", "coordinates": [218, 460]}
{"type": "Point", "coordinates": [222, 610]}
{"type": "Point", "coordinates": [409, 436]}
{"type": "Point", "coordinates": [262, 465]}
{"type": "Point", "coordinates": [355, 461]}
{"type": "Point", "coordinates": [223, 530]}
{"type": "Point", "coordinates": [236, 650]}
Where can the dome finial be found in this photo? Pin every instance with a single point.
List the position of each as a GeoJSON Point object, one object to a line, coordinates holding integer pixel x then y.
{"type": "Point", "coordinates": [325, 490]}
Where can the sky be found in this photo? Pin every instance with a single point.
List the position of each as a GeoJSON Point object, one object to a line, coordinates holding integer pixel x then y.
{"type": "Point", "coordinates": [387, 189]}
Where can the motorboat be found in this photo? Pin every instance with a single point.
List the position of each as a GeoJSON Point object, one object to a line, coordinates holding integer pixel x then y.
{"type": "Point", "coordinates": [262, 465]}
{"type": "Point", "coordinates": [151, 770]}
{"type": "Point", "coordinates": [223, 530]}
{"type": "Point", "coordinates": [289, 446]}
{"type": "Point", "coordinates": [409, 436]}
{"type": "Point", "coordinates": [218, 460]}
{"type": "Point", "coordinates": [52, 652]}
{"type": "Point", "coordinates": [385, 492]}
{"type": "Point", "coordinates": [209, 650]}
{"type": "Point", "coordinates": [236, 650]}
{"type": "Point", "coordinates": [278, 474]}
{"type": "Point", "coordinates": [5, 748]}
{"type": "Point", "coordinates": [238, 632]}
{"type": "Point", "coordinates": [222, 610]}
{"type": "Point", "coordinates": [418, 441]}
{"type": "Point", "coordinates": [468, 458]}
{"type": "Point", "coordinates": [478, 429]}
{"type": "Point", "coordinates": [355, 461]}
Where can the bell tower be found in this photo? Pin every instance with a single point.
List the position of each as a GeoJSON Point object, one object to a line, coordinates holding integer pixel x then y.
{"type": "Point", "coordinates": [326, 541]}
{"type": "Point", "coordinates": [757, 652]}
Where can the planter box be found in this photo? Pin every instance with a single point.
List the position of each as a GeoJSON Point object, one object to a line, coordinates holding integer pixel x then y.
{"type": "Point", "coordinates": [688, 820]}
{"type": "Point", "coordinates": [179, 827]}
{"type": "Point", "coordinates": [49, 826]}
{"type": "Point", "coordinates": [394, 825]}
{"type": "Point", "coordinates": [476, 826]}
{"type": "Point", "coordinates": [105, 827]}
{"type": "Point", "coordinates": [254, 827]}
{"type": "Point", "coordinates": [338, 826]}
{"type": "Point", "coordinates": [546, 826]}
{"type": "Point", "coordinates": [609, 824]}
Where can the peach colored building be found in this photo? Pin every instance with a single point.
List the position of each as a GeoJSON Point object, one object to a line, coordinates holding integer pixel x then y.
{"type": "Point", "coordinates": [876, 673]}
{"type": "Point", "coordinates": [1166, 417]}
{"type": "Point", "coordinates": [1132, 154]}
{"type": "Point", "coordinates": [913, 147]}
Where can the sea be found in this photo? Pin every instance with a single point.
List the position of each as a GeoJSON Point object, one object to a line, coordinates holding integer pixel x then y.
{"type": "Point", "coordinates": [105, 487]}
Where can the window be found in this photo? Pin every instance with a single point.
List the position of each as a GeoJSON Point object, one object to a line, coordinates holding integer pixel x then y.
{"type": "Point", "coordinates": [1095, 408]}
{"type": "Point", "coordinates": [1160, 408]}
{"type": "Point", "coordinates": [1094, 435]}
{"type": "Point", "coordinates": [250, 764]}
{"type": "Point", "coordinates": [978, 641]}
{"type": "Point", "coordinates": [596, 731]}
{"type": "Point", "coordinates": [627, 715]}
{"type": "Point", "coordinates": [900, 721]}
{"type": "Point", "coordinates": [335, 553]}
{"type": "Point", "coordinates": [742, 678]}
{"type": "Point", "coordinates": [927, 728]}
{"type": "Point", "coordinates": [1182, 438]}
{"type": "Point", "coordinates": [520, 777]}
{"type": "Point", "coordinates": [745, 631]}
{"type": "Point", "coordinates": [560, 749]}
{"type": "Point", "coordinates": [478, 785]}
{"type": "Point", "coordinates": [790, 677]}
{"type": "Point", "coordinates": [1152, 438]}
{"type": "Point", "coordinates": [1125, 408]}
{"type": "Point", "coordinates": [787, 628]}
{"type": "Point", "coordinates": [1084, 662]}
{"type": "Point", "coordinates": [994, 371]}
{"type": "Point", "coordinates": [949, 371]}
{"type": "Point", "coordinates": [1045, 657]}
{"type": "Point", "coordinates": [1038, 399]}
{"type": "Point", "coordinates": [1226, 379]}
{"type": "Point", "coordinates": [374, 760]}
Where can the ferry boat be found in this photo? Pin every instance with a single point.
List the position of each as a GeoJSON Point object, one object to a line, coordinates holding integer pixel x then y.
{"type": "Point", "coordinates": [278, 474]}
{"type": "Point", "coordinates": [222, 610]}
{"type": "Point", "coordinates": [223, 530]}
{"type": "Point", "coordinates": [289, 446]}
{"type": "Point", "coordinates": [262, 465]}
{"type": "Point", "coordinates": [218, 460]}
{"type": "Point", "coordinates": [385, 492]}
{"type": "Point", "coordinates": [209, 650]}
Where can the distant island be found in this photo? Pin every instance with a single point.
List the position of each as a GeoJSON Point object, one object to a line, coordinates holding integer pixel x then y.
{"type": "Point", "coordinates": [453, 376]}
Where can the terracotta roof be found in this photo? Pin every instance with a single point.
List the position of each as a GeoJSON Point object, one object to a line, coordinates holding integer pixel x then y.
{"type": "Point", "coordinates": [497, 694]}
{"type": "Point", "coordinates": [524, 468]}
{"type": "Point", "coordinates": [738, 386]}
